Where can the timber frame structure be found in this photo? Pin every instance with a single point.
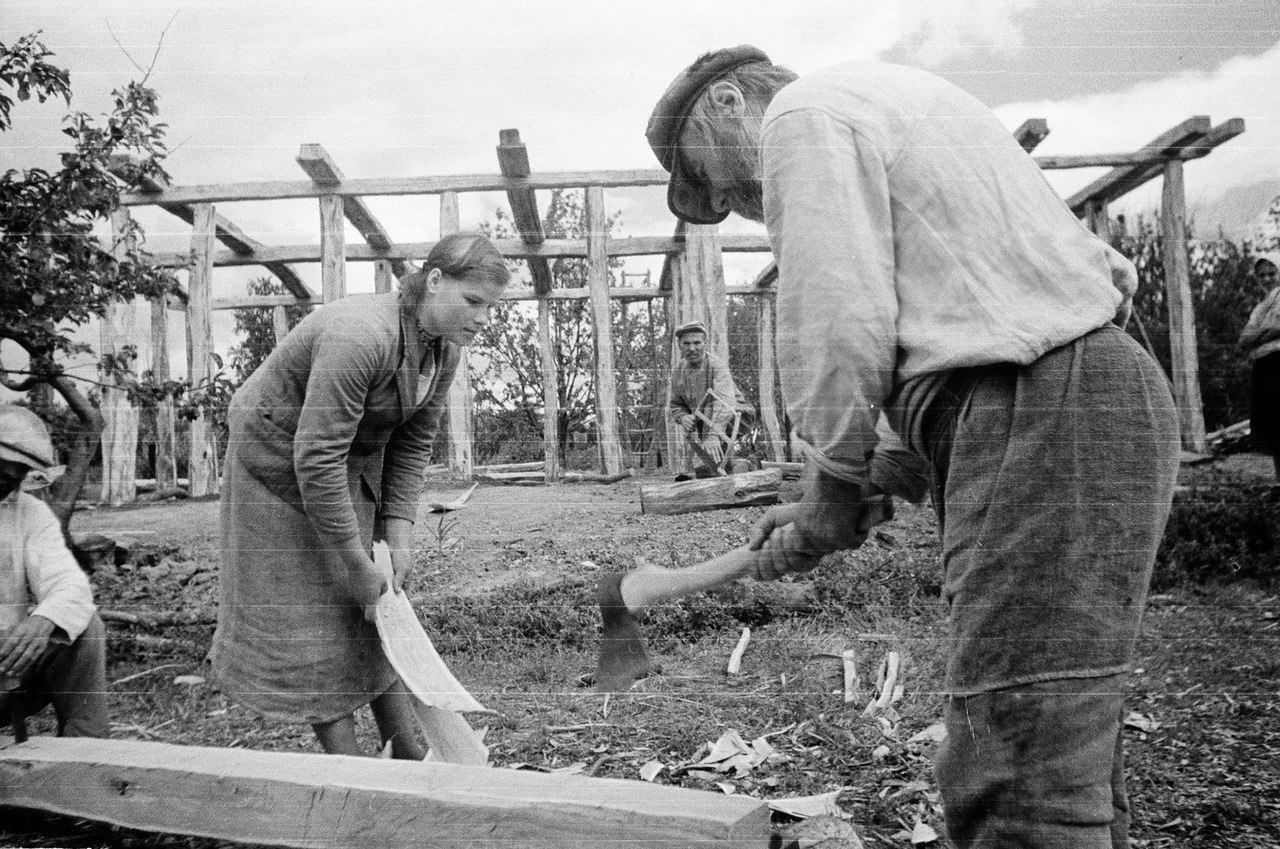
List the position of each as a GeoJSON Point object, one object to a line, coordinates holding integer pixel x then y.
{"type": "Point", "coordinates": [692, 283]}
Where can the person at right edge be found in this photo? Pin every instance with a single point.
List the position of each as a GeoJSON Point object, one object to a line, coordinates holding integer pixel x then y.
{"type": "Point", "coordinates": [1261, 339]}
{"type": "Point", "coordinates": [931, 279]}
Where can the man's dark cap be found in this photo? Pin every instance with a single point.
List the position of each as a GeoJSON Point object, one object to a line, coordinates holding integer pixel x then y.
{"type": "Point", "coordinates": [688, 198]}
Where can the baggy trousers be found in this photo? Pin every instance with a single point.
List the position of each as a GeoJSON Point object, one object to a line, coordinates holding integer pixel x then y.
{"type": "Point", "coordinates": [1053, 483]}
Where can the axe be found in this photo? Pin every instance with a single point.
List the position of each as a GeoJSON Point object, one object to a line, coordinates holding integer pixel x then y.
{"type": "Point", "coordinates": [623, 657]}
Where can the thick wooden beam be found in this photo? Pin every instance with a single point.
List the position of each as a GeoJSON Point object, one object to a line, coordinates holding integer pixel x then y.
{"type": "Point", "coordinates": [1182, 320]}
{"type": "Point", "coordinates": [513, 161]}
{"type": "Point", "coordinates": [1120, 181]}
{"type": "Point", "coordinates": [745, 490]}
{"type": "Point", "coordinates": [227, 233]}
{"type": "Point", "coordinates": [202, 458]}
{"type": "Point", "coordinates": [333, 249]}
{"type": "Point", "coordinates": [370, 187]}
{"type": "Point", "coordinates": [602, 332]}
{"type": "Point", "coordinates": [321, 168]}
{"type": "Point", "coordinates": [1031, 132]}
{"type": "Point", "coordinates": [384, 275]}
{"type": "Point", "coordinates": [459, 415]}
{"type": "Point", "coordinates": [510, 248]}
{"type": "Point", "coordinates": [119, 415]}
{"type": "Point", "coordinates": [279, 323]}
{"type": "Point", "coordinates": [767, 377]}
{"type": "Point", "coordinates": [166, 467]}
{"type": "Point", "coordinates": [550, 393]}
{"type": "Point", "coordinates": [321, 801]}
{"type": "Point", "coordinates": [702, 281]}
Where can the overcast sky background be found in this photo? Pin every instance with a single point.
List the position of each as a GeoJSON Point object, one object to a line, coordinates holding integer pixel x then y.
{"type": "Point", "coordinates": [396, 88]}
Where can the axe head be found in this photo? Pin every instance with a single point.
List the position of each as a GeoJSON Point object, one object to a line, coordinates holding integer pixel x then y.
{"type": "Point", "coordinates": [623, 657]}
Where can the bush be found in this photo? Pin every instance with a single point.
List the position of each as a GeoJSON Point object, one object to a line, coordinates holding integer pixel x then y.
{"type": "Point", "coordinates": [1221, 530]}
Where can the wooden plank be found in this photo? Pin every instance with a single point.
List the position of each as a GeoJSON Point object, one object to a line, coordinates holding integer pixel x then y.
{"type": "Point", "coordinates": [384, 275]}
{"type": "Point", "coordinates": [767, 377]}
{"type": "Point", "coordinates": [677, 453]}
{"type": "Point", "coordinates": [550, 393]}
{"type": "Point", "coordinates": [1182, 320]}
{"type": "Point", "coordinates": [1031, 132]}
{"type": "Point", "coordinates": [333, 253]}
{"type": "Point", "coordinates": [279, 323]}
{"type": "Point", "coordinates": [202, 459]}
{"type": "Point", "coordinates": [607, 412]}
{"type": "Point", "coordinates": [319, 801]}
{"type": "Point", "coordinates": [509, 248]}
{"type": "Point", "coordinates": [630, 293]}
{"type": "Point", "coordinates": [1119, 181]}
{"type": "Point", "coordinates": [227, 233]}
{"type": "Point", "coordinates": [745, 490]}
{"type": "Point", "coordinates": [513, 161]}
{"type": "Point", "coordinates": [459, 415]}
{"type": "Point", "coordinates": [370, 187]}
{"type": "Point", "coordinates": [166, 467]}
{"type": "Point", "coordinates": [119, 438]}
{"type": "Point", "coordinates": [321, 168]}
{"type": "Point", "coordinates": [532, 466]}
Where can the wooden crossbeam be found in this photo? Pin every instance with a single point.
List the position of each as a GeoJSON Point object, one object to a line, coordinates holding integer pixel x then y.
{"type": "Point", "coordinates": [321, 168]}
{"type": "Point", "coordinates": [226, 232]}
{"type": "Point", "coordinates": [369, 187]}
{"type": "Point", "coordinates": [1031, 132]}
{"type": "Point", "coordinates": [320, 801]}
{"type": "Point", "coordinates": [513, 161]}
{"type": "Point", "coordinates": [1120, 181]}
{"type": "Point", "coordinates": [510, 248]}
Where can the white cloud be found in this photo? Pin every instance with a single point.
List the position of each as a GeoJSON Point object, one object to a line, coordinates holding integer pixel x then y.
{"type": "Point", "coordinates": [1121, 121]}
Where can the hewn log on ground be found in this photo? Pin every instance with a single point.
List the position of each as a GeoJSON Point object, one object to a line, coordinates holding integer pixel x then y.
{"type": "Point", "coordinates": [589, 477]}
{"type": "Point", "coordinates": [744, 490]}
{"type": "Point", "coordinates": [310, 800]}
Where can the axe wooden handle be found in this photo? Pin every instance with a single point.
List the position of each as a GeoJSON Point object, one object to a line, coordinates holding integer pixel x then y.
{"type": "Point", "coordinates": [647, 587]}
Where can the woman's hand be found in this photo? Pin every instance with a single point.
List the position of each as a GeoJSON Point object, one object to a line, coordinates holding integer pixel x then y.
{"type": "Point", "coordinates": [365, 582]}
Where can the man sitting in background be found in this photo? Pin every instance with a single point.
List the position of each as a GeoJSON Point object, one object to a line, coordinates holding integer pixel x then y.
{"type": "Point", "coordinates": [704, 402]}
{"type": "Point", "coordinates": [52, 642]}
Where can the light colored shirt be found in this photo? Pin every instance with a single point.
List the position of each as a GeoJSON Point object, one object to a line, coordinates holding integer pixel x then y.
{"type": "Point", "coordinates": [913, 235]}
{"type": "Point", "coordinates": [38, 573]}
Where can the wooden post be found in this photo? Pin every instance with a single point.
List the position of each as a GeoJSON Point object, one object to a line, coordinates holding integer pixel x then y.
{"type": "Point", "coordinates": [1097, 219]}
{"type": "Point", "coordinates": [602, 332]}
{"type": "Point", "coordinates": [677, 456]}
{"type": "Point", "coordinates": [202, 459]}
{"type": "Point", "coordinates": [765, 349]}
{"type": "Point", "coordinates": [166, 442]}
{"type": "Point", "coordinates": [459, 414]}
{"type": "Point", "coordinates": [333, 249]}
{"type": "Point", "coordinates": [550, 394]}
{"type": "Point", "coordinates": [382, 276]}
{"type": "Point", "coordinates": [702, 275]}
{"type": "Point", "coordinates": [119, 415]}
{"type": "Point", "coordinates": [279, 323]}
{"type": "Point", "coordinates": [1182, 320]}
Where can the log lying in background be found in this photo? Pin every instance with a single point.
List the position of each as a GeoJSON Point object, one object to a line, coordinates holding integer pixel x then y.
{"type": "Point", "coordinates": [534, 466]}
{"type": "Point", "coordinates": [311, 800]}
{"type": "Point", "coordinates": [744, 490]}
{"type": "Point", "coordinates": [519, 478]}
{"type": "Point", "coordinates": [592, 477]}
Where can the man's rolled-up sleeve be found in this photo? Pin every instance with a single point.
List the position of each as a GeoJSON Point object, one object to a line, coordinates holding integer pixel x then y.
{"type": "Point", "coordinates": [827, 209]}
{"type": "Point", "coordinates": [60, 588]}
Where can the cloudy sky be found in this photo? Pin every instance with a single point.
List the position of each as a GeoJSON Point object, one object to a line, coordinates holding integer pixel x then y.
{"type": "Point", "coordinates": [396, 88]}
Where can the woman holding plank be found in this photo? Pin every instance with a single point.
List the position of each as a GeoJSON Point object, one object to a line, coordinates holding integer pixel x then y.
{"type": "Point", "coordinates": [329, 439]}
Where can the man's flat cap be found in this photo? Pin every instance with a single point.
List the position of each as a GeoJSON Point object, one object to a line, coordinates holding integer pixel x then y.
{"type": "Point", "coordinates": [688, 198]}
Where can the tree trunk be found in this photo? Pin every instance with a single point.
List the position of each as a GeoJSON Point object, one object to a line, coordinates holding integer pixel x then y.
{"type": "Point", "coordinates": [65, 491]}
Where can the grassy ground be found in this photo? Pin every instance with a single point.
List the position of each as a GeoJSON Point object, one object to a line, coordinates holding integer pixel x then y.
{"type": "Point", "coordinates": [1203, 745]}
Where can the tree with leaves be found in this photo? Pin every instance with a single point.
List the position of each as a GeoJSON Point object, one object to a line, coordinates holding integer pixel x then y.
{"type": "Point", "coordinates": [55, 273]}
{"type": "Point", "coordinates": [508, 387]}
